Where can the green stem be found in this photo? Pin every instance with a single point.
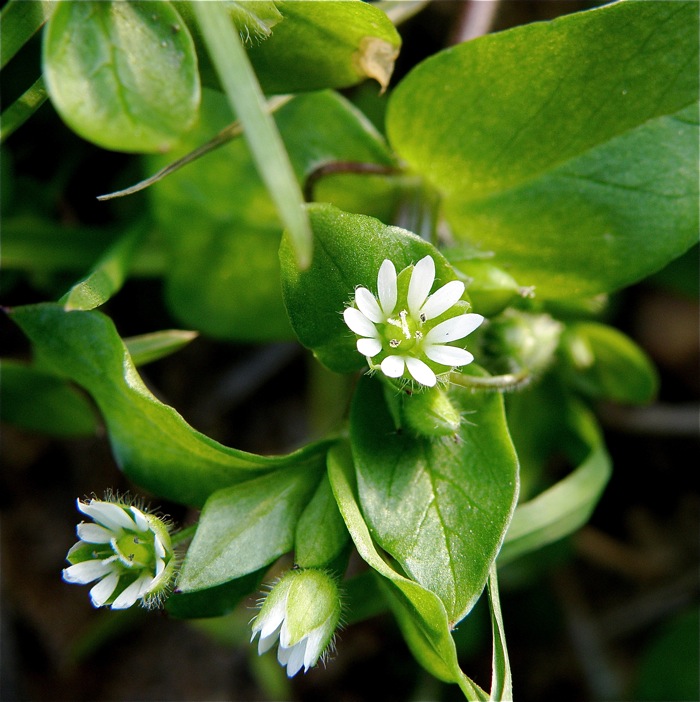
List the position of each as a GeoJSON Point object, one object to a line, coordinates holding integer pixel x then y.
{"type": "Point", "coordinates": [227, 134]}
{"type": "Point", "coordinates": [509, 381]}
{"type": "Point", "coordinates": [246, 98]}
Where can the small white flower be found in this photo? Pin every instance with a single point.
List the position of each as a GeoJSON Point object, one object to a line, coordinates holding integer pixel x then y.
{"type": "Point", "coordinates": [302, 612]}
{"type": "Point", "coordinates": [128, 552]}
{"type": "Point", "coordinates": [404, 335]}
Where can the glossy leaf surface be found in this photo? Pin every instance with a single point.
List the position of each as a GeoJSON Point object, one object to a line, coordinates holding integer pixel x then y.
{"type": "Point", "coordinates": [122, 75]}
{"type": "Point", "coordinates": [568, 149]}
{"type": "Point", "coordinates": [440, 507]}
{"type": "Point", "coordinates": [152, 443]}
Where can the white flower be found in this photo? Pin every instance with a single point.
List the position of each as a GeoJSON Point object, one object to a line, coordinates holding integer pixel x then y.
{"type": "Point", "coordinates": [404, 342]}
{"type": "Point", "coordinates": [302, 612]}
{"type": "Point", "coordinates": [128, 552]}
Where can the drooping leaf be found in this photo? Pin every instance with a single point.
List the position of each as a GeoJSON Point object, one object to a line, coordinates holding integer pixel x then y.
{"type": "Point", "coordinates": [440, 507]}
{"type": "Point", "coordinates": [247, 526]}
{"type": "Point", "coordinates": [568, 149]}
{"type": "Point", "coordinates": [224, 271]}
{"type": "Point", "coordinates": [152, 443]}
{"type": "Point", "coordinates": [37, 401]}
{"type": "Point", "coordinates": [122, 75]}
{"type": "Point", "coordinates": [349, 251]}
{"type": "Point", "coordinates": [420, 613]}
{"type": "Point", "coordinates": [567, 505]}
{"type": "Point", "coordinates": [326, 45]}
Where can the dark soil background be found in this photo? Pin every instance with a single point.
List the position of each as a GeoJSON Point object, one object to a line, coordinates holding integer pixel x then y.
{"type": "Point", "coordinates": [608, 614]}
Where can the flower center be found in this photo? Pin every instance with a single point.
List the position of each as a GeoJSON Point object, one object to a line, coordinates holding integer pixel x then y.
{"type": "Point", "coordinates": [402, 332]}
{"type": "Point", "coordinates": [136, 549]}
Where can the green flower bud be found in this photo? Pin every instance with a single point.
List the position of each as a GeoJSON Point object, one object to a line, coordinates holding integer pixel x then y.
{"type": "Point", "coordinates": [431, 413]}
{"type": "Point", "coordinates": [524, 340]}
{"type": "Point", "coordinates": [302, 610]}
{"type": "Point", "coordinates": [126, 550]}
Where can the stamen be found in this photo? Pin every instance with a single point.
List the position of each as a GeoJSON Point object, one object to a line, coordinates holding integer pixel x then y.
{"type": "Point", "coordinates": [394, 343]}
{"type": "Point", "coordinates": [404, 324]}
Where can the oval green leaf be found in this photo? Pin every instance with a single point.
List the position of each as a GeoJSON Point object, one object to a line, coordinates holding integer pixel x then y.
{"type": "Point", "coordinates": [122, 74]}
{"type": "Point", "coordinates": [569, 149]}
{"type": "Point", "coordinates": [441, 508]}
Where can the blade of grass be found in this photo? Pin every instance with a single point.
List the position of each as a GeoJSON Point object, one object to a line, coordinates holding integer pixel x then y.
{"type": "Point", "coordinates": [22, 109]}
{"type": "Point", "coordinates": [245, 96]}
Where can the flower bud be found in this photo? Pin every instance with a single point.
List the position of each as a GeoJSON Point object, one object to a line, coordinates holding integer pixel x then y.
{"type": "Point", "coordinates": [302, 610]}
{"type": "Point", "coordinates": [126, 550]}
{"type": "Point", "coordinates": [431, 413]}
{"type": "Point", "coordinates": [490, 288]}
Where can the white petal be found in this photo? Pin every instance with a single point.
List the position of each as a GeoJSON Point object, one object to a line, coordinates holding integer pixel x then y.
{"type": "Point", "coordinates": [140, 519]}
{"type": "Point", "coordinates": [359, 323]}
{"type": "Point", "coordinates": [386, 287]}
{"type": "Point", "coordinates": [452, 329]}
{"type": "Point", "coordinates": [158, 546]}
{"type": "Point", "coordinates": [108, 514]}
{"type": "Point", "coordinates": [132, 593]}
{"type": "Point", "coordinates": [441, 300]}
{"type": "Point", "coordinates": [85, 572]}
{"type": "Point", "coordinates": [368, 305]}
{"type": "Point", "coordinates": [369, 347]}
{"type": "Point", "coordinates": [160, 567]}
{"type": "Point", "coordinates": [448, 355]}
{"type": "Point", "coordinates": [296, 659]}
{"type": "Point", "coordinates": [267, 642]}
{"type": "Point", "coordinates": [422, 280]}
{"type": "Point", "coordinates": [392, 366]}
{"type": "Point", "coordinates": [94, 533]}
{"type": "Point", "coordinates": [314, 646]}
{"type": "Point", "coordinates": [421, 372]}
{"type": "Point", "coordinates": [101, 592]}
{"type": "Point", "coordinates": [273, 618]}
{"type": "Point", "coordinates": [283, 654]}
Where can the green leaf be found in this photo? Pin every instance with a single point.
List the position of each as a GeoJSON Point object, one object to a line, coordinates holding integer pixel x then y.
{"type": "Point", "coordinates": [320, 534]}
{"type": "Point", "coordinates": [19, 21]}
{"type": "Point", "coordinates": [147, 348]}
{"type": "Point", "coordinates": [420, 613]}
{"type": "Point", "coordinates": [152, 443]}
{"type": "Point", "coordinates": [326, 45]}
{"type": "Point", "coordinates": [223, 277]}
{"type": "Point", "coordinates": [586, 159]}
{"type": "Point", "coordinates": [441, 508]}
{"type": "Point", "coordinates": [122, 75]}
{"type": "Point", "coordinates": [107, 276]}
{"type": "Point", "coordinates": [247, 526]}
{"type": "Point", "coordinates": [37, 401]}
{"type": "Point", "coordinates": [567, 505]}
{"type": "Point", "coordinates": [349, 251]}
{"type": "Point", "coordinates": [606, 364]}
{"type": "Point", "coordinates": [246, 99]}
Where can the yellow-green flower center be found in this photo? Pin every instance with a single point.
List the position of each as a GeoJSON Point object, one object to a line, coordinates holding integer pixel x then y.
{"type": "Point", "coordinates": [401, 333]}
